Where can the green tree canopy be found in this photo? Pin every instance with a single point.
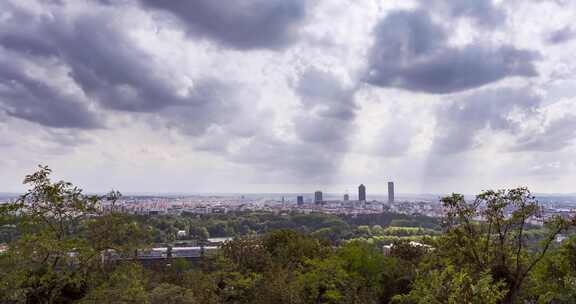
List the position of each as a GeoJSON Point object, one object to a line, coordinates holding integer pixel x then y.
{"type": "Point", "coordinates": [63, 234]}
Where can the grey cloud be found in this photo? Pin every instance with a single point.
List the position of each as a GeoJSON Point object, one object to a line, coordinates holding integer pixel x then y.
{"type": "Point", "coordinates": [22, 141]}
{"type": "Point", "coordinates": [319, 86]}
{"type": "Point", "coordinates": [323, 90]}
{"type": "Point", "coordinates": [215, 140]}
{"type": "Point", "coordinates": [68, 138]}
{"type": "Point", "coordinates": [556, 135]}
{"type": "Point", "coordinates": [298, 161]}
{"type": "Point", "coordinates": [5, 139]}
{"type": "Point", "coordinates": [395, 138]}
{"type": "Point", "coordinates": [109, 67]}
{"type": "Point", "coordinates": [248, 24]}
{"type": "Point", "coordinates": [27, 44]}
{"type": "Point", "coordinates": [322, 127]}
{"type": "Point", "coordinates": [20, 31]}
{"type": "Point", "coordinates": [552, 169]}
{"type": "Point", "coordinates": [328, 107]}
{"type": "Point", "coordinates": [120, 76]}
{"type": "Point", "coordinates": [211, 103]}
{"type": "Point", "coordinates": [483, 12]}
{"type": "Point", "coordinates": [411, 52]}
{"type": "Point", "coordinates": [459, 122]}
{"type": "Point", "coordinates": [25, 97]}
{"type": "Point", "coordinates": [560, 36]}
{"type": "Point", "coordinates": [447, 167]}
{"type": "Point", "coordinates": [222, 114]}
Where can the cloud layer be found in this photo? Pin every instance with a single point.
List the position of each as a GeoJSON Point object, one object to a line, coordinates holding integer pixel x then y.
{"type": "Point", "coordinates": [288, 93]}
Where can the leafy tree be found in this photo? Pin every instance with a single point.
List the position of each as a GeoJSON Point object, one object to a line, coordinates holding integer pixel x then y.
{"type": "Point", "coordinates": [199, 233]}
{"type": "Point", "coordinates": [368, 271]}
{"type": "Point", "coordinates": [126, 285]}
{"type": "Point", "coordinates": [377, 230]}
{"type": "Point", "coordinates": [63, 234]}
{"type": "Point", "coordinates": [554, 280]}
{"type": "Point", "coordinates": [328, 234]}
{"type": "Point", "coordinates": [203, 285]}
{"type": "Point", "coordinates": [405, 251]}
{"type": "Point", "coordinates": [324, 281]}
{"type": "Point", "coordinates": [291, 249]}
{"type": "Point", "coordinates": [173, 294]}
{"type": "Point", "coordinates": [278, 285]}
{"type": "Point", "coordinates": [247, 254]}
{"type": "Point", "coordinates": [364, 230]}
{"type": "Point", "coordinates": [487, 236]}
{"type": "Point", "coordinates": [450, 286]}
{"type": "Point", "coordinates": [235, 287]}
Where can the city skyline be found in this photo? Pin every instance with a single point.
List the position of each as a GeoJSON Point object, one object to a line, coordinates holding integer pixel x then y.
{"type": "Point", "coordinates": [280, 96]}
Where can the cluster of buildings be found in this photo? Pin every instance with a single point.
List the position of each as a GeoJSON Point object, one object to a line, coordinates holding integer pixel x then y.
{"type": "Point", "coordinates": [221, 204]}
{"type": "Point", "coordinates": [319, 199]}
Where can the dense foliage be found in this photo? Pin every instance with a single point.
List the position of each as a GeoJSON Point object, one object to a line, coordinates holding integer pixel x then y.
{"type": "Point", "coordinates": [332, 227]}
{"type": "Point", "coordinates": [56, 237]}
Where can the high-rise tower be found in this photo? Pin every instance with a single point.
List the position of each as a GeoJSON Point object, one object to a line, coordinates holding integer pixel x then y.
{"type": "Point", "coordinates": [318, 197]}
{"type": "Point", "coordinates": [362, 192]}
{"type": "Point", "coordinates": [390, 192]}
{"type": "Point", "coordinates": [300, 200]}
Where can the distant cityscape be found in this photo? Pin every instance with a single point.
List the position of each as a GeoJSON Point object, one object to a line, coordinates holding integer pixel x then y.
{"type": "Point", "coordinates": [318, 201]}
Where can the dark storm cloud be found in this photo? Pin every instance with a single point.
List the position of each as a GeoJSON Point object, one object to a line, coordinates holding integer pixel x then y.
{"type": "Point", "coordinates": [459, 122]}
{"type": "Point", "coordinates": [411, 52]}
{"type": "Point", "coordinates": [561, 36]}
{"type": "Point", "coordinates": [108, 67]}
{"type": "Point", "coordinates": [247, 24]}
{"type": "Point", "coordinates": [23, 93]}
{"type": "Point", "coordinates": [25, 97]}
{"type": "Point", "coordinates": [27, 45]}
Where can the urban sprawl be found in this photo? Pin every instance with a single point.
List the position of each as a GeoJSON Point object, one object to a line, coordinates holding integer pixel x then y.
{"type": "Point", "coordinates": [313, 202]}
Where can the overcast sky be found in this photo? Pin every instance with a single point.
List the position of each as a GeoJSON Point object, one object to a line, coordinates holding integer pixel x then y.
{"type": "Point", "coordinates": [289, 95]}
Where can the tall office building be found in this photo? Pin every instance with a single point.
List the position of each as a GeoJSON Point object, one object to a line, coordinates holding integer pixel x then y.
{"type": "Point", "coordinates": [390, 192]}
{"type": "Point", "coordinates": [362, 192]}
{"type": "Point", "coordinates": [300, 200]}
{"type": "Point", "coordinates": [318, 197]}
{"type": "Point", "coordinates": [346, 197]}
